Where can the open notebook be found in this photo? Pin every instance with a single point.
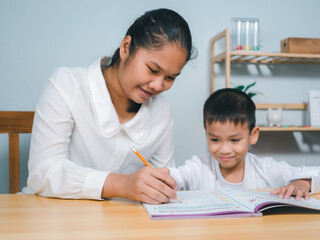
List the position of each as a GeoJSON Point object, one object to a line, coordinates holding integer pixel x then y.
{"type": "Point", "coordinates": [224, 203]}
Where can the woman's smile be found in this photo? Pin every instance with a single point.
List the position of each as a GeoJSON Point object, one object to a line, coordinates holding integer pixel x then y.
{"type": "Point", "coordinates": [146, 94]}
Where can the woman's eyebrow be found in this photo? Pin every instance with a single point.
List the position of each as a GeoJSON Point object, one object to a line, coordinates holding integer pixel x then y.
{"type": "Point", "coordinates": [161, 69]}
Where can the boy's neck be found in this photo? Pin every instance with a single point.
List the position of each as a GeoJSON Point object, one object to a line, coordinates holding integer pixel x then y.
{"type": "Point", "coordinates": [235, 174]}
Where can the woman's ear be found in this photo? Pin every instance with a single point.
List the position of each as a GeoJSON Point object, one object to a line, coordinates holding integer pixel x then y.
{"type": "Point", "coordinates": [254, 135]}
{"type": "Point", "coordinates": [124, 48]}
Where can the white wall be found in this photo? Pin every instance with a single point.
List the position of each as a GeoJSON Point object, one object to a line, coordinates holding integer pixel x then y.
{"type": "Point", "coordinates": [38, 36]}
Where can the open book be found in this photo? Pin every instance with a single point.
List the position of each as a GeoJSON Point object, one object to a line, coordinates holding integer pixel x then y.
{"type": "Point", "coordinates": [224, 203]}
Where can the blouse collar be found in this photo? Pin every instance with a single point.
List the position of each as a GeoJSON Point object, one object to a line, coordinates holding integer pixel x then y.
{"type": "Point", "coordinates": [137, 128]}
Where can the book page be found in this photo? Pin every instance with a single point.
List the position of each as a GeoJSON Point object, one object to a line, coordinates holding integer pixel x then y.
{"type": "Point", "coordinates": [256, 200]}
{"type": "Point", "coordinates": [196, 203]}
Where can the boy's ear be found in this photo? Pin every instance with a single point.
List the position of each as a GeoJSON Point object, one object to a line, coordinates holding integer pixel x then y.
{"type": "Point", "coordinates": [124, 48]}
{"type": "Point", "coordinates": [254, 135]}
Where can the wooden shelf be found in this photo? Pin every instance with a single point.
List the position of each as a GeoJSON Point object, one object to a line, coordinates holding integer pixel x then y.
{"type": "Point", "coordinates": [289, 129]}
{"type": "Point", "coordinates": [257, 57]}
{"type": "Point", "coordinates": [268, 58]}
{"type": "Point", "coordinates": [289, 106]}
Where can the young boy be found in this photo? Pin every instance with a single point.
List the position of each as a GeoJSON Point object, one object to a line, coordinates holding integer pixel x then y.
{"type": "Point", "coordinates": [229, 122]}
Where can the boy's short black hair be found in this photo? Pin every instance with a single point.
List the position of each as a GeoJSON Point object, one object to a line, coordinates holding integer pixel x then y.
{"type": "Point", "coordinates": [229, 104]}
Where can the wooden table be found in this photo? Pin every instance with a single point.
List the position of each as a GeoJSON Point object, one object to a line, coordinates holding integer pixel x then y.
{"type": "Point", "coordinates": [33, 217]}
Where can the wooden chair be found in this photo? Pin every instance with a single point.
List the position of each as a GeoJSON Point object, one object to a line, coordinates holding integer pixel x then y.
{"type": "Point", "coordinates": [13, 123]}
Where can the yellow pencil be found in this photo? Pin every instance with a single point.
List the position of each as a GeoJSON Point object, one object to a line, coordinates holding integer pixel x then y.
{"type": "Point", "coordinates": [146, 163]}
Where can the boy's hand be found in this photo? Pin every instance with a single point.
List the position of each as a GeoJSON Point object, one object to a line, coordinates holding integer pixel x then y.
{"type": "Point", "coordinates": [299, 188]}
{"type": "Point", "coordinates": [149, 185]}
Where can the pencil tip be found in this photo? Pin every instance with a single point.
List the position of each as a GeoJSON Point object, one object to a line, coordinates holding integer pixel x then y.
{"type": "Point", "coordinates": [133, 148]}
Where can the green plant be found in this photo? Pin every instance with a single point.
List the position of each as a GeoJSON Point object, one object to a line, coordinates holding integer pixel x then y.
{"type": "Point", "coordinates": [244, 89]}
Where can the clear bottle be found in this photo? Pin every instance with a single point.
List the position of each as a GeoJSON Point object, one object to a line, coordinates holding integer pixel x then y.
{"type": "Point", "coordinates": [248, 38]}
{"type": "Point", "coordinates": [236, 34]}
{"type": "Point", "coordinates": [256, 35]}
{"type": "Point", "coordinates": [245, 34]}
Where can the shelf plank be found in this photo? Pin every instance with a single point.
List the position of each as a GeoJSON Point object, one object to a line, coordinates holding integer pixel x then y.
{"type": "Point", "coordinates": [287, 55]}
{"type": "Point", "coordinates": [267, 58]}
{"type": "Point", "coordinates": [220, 57]}
{"type": "Point", "coordinates": [292, 106]}
{"type": "Point", "coordinates": [289, 129]}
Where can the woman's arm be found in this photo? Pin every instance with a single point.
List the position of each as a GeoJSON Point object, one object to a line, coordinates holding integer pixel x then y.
{"type": "Point", "coordinates": [51, 172]}
{"type": "Point", "coordinates": [150, 185]}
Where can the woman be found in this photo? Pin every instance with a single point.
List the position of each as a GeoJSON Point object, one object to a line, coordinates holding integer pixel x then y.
{"type": "Point", "coordinates": [88, 118]}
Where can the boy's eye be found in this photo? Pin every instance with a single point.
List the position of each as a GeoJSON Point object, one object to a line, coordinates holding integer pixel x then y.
{"type": "Point", "coordinates": [235, 140]}
{"type": "Point", "coordinates": [171, 78]}
{"type": "Point", "coordinates": [214, 140]}
{"type": "Point", "coordinates": [152, 70]}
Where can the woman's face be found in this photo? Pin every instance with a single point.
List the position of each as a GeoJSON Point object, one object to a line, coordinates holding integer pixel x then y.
{"type": "Point", "coordinates": [149, 72]}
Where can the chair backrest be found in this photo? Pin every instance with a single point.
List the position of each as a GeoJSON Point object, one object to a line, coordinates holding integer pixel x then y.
{"type": "Point", "coordinates": [13, 123]}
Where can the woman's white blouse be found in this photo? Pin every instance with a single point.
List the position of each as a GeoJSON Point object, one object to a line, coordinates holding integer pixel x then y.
{"type": "Point", "coordinates": [77, 139]}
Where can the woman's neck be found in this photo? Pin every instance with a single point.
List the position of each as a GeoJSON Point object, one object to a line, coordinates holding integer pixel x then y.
{"type": "Point", "coordinates": [119, 99]}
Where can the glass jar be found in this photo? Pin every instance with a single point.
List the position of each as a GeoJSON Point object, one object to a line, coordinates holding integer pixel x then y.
{"type": "Point", "coordinates": [245, 34]}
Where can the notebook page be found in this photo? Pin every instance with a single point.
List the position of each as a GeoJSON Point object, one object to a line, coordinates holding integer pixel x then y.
{"type": "Point", "coordinates": [196, 203]}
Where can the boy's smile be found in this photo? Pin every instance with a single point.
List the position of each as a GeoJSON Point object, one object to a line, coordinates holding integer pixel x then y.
{"type": "Point", "coordinates": [228, 144]}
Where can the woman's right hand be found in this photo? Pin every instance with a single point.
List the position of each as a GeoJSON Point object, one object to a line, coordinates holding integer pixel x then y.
{"type": "Point", "coordinates": [149, 185]}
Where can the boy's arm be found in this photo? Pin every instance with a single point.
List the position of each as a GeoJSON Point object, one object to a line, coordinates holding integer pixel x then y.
{"type": "Point", "coordinates": [315, 184]}
{"type": "Point", "coordinates": [298, 181]}
{"type": "Point", "coordinates": [282, 174]}
{"type": "Point", "coordinates": [187, 175]}
{"type": "Point", "coordinates": [300, 188]}
{"type": "Point", "coordinates": [312, 174]}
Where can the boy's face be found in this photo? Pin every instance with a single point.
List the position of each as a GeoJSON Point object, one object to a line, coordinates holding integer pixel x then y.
{"type": "Point", "coordinates": [229, 143]}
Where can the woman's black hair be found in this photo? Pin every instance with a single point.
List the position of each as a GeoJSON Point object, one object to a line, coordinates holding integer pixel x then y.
{"type": "Point", "coordinates": [232, 105]}
{"type": "Point", "coordinates": [153, 30]}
